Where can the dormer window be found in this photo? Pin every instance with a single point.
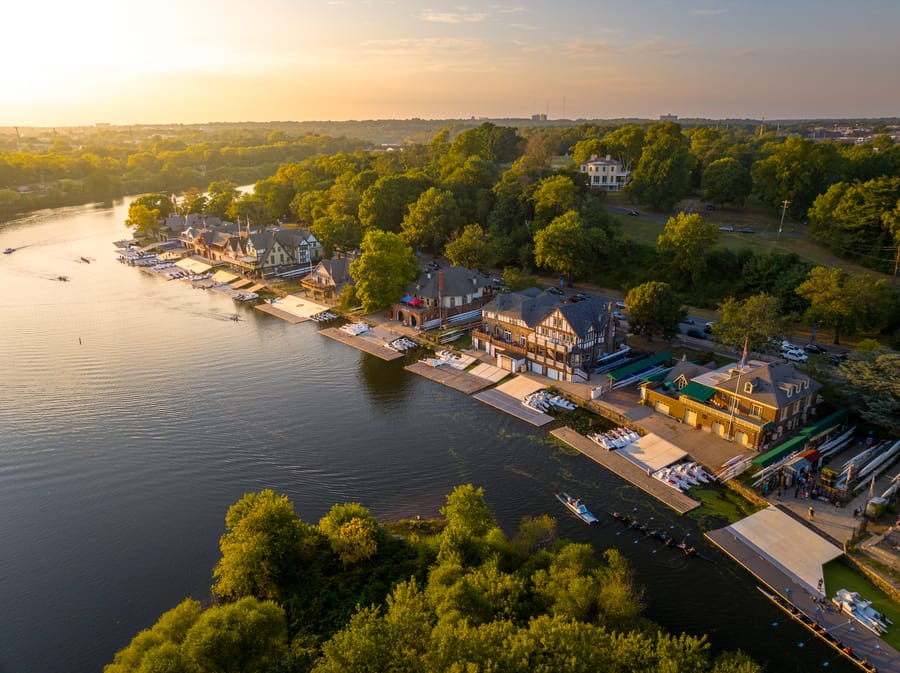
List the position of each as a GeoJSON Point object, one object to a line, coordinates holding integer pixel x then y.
{"type": "Point", "coordinates": [748, 387]}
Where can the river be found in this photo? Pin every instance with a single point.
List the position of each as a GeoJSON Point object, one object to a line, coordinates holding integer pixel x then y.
{"type": "Point", "coordinates": [133, 412]}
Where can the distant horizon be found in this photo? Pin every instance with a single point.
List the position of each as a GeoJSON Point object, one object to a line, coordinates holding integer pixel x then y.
{"type": "Point", "coordinates": [101, 61]}
{"type": "Point", "coordinates": [797, 120]}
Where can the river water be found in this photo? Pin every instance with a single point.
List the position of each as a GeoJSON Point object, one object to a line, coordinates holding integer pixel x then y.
{"type": "Point", "coordinates": [133, 412]}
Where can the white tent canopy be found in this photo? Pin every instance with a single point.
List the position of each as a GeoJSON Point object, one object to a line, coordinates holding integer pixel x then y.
{"type": "Point", "coordinates": [652, 452]}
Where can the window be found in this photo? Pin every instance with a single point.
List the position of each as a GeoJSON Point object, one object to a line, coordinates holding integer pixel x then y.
{"type": "Point", "coordinates": [756, 410]}
{"type": "Point", "coordinates": [748, 387]}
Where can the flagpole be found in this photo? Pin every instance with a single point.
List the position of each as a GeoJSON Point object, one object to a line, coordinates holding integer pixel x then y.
{"type": "Point", "coordinates": [737, 389]}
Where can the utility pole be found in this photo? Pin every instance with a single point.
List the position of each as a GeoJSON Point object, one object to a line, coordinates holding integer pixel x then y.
{"type": "Point", "coordinates": [784, 205]}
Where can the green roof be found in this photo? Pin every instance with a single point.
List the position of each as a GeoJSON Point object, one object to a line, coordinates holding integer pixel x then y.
{"type": "Point", "coordinates": [639, 366]}
{"type": "Point", "coordinates": [825, 423]}
{"type": "Point", "coordinates": [698, 391]}
{"type": "Point", "coordinates": [780, 451]}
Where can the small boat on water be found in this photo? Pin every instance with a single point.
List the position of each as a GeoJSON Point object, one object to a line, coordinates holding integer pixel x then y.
{"type": "Point", "coordinates": [577, 508]}
{"type": "Point", "coordinates": [9, 251]}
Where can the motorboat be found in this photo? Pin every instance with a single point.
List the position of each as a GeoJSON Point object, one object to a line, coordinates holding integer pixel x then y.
{"type": "Point", "coordinates": [850, 602]}
{"type": "Point", "coordinates": [355, 328]}
{"type": "Point", "coordinates": [9, 251]}
{"type": "Point", "coordinates": [601, 440]}
{"type": "Point", "coordinates": [577, 508]}
{"type": "Point", "coordinates": [561, 402]}
{"type": "Point", "coordinates": [664, 476]}
{"type": "Point", "coordinates": [246, 296]}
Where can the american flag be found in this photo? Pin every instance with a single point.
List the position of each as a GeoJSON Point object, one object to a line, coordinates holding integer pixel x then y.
{"type": "Point", "coordinates": [744, 356]}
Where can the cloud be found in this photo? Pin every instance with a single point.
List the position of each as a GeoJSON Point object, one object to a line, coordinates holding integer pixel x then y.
{"type": "Point", "coordinates": [586, 49]}
{"type": "Point", "coordinates": [422, 46]}
{"type": "Point", "coordinates": [706, 12]}
{"type": "Point", "coordinates": [509, 9]}
{"type": "Point", "coordinates": [453, 17]}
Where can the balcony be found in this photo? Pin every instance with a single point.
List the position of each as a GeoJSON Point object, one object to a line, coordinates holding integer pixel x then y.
{"type": "Point", "coordinates": [499, 342]}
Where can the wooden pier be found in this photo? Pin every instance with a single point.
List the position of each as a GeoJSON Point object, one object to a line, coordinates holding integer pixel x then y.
{"type": "Point", "coordinates": [448, 376]}
{"type": "Point", "coordinates": [369, 342]}
{"type": "Point", "coordinates": [513, 406]}
{"type": "Point", "coordinates": [627, 470]}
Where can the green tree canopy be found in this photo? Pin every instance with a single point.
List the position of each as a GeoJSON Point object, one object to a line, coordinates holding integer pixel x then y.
{"type": "Point", "coordinates": [467, 511]}
{"type": "Point", "coordinates": [431, 220]}
{"type": "Point", "coordinates": [654, 309]}
{"type": "Point", "coordinates": [222, 193]}
{"type": "Point", "coordinates": [385, 204]}
{"type": "Point", "coordinates": [262, 548]}
{"type": "Point", "coordinates": [846, 301]}
{"type": "Point", "coordinates": [142, 219]}
{"type": "Point", "coordinates": [874, 382]}
{"type": "Point", "coordinates": [751, 321]}
{"type": "Point", "coordinates": [552, 197]}
{"type": "Point", "coordinates": [685, 242]}
{"type": "Point", "coordinates": [854, 220]}
{"type": "Point", "coordinates": [243, 637]}
{"type": "Point", "coordinates": [567, 247]}
{"type": "Point", "coordinates": [727, 181]}
{"type": "Point", "coordinates": [663, 174]}
{"type": "Point", "coordinates": [352, 532]}
{"type": "Point", "coordinates": [470, 249]}
{"type": "Point", "coordinates": [385, 267]}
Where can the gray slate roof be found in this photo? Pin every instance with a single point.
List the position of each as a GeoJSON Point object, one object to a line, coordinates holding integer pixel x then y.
{"type": "Point", "coordinates": [533, 306]}
{"type": "Point", "coordinates": [771, 382]}
{"type": "Point", "coordinates": [458, 282]}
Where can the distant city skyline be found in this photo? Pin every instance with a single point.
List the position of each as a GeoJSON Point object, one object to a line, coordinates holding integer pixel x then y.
{"type": "Point", "coordinates": [184, 61]}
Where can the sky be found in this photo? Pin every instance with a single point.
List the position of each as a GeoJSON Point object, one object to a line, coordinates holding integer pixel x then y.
{"type": "Point", "coordinates": [69, 63]}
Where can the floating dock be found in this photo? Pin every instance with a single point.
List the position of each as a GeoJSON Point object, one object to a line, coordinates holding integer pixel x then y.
{"type": "Point", "coordinates": [513, 406]}
{"type": "Point", "coordinates": [463, 381]}
{"type": "Point", "coordinates": [626, 469]}
{"type": "Point", "coordinates": [370, 342]}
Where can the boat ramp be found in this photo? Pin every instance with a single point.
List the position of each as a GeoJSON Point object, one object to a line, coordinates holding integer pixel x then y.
{"type": "Point", "coordinates": [626, 469]}
{"type": "Point", "coordinates": [787, 556]}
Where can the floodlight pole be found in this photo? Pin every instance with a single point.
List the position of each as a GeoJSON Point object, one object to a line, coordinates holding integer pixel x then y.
{"type": "Point", "coordinates": [784, 205]}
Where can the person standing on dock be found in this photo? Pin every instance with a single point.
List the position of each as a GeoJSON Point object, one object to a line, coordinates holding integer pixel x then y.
{"type": "Point", "coordinates": [812, 513]}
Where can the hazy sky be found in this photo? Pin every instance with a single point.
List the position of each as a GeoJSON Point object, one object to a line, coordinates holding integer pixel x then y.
{"type": "Point", "coordinates": [67, 62]}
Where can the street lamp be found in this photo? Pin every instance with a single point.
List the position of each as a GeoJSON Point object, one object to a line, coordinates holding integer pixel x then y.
{"type": "Point", "coordinates": [784, 205]}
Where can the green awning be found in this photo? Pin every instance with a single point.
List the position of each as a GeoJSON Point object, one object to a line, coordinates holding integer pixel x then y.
{"type": "Point", "coordinates": [780, 451]}
{"type": "Point", "coordinates": [637, 367]}
{"type": "Point", "coordinates": [698, 391]}
{"type": "Point", "coordinates": [824, 424]}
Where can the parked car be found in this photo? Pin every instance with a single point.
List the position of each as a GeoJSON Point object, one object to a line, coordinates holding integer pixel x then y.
{"type": "Point", "coordinates": [814, 348]}
{"type": "Point", "coordinates": [687, 320]}
{"type": "Point", "coordinates": [696, 334]}
{"type": "Point", "coordinates": [709, 206]}
{"type": "Point", "coordinates": [726, 227]}
{"type": "Point", "coordinates": [708, 326]}
{"type": "Point", "coordinates": [746, 230]}
{"type": "Point", "coordinates": [634, 213]}
{"type": "Point", "coordinates": [619, 315]}
{"type": "Point", "coordinates": [554, 290]}
{"type": "Point", "coordinates": [795, 356]}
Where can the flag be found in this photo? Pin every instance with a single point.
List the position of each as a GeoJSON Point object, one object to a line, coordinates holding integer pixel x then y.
{"type": "Point", "coordinates": [744, 356]}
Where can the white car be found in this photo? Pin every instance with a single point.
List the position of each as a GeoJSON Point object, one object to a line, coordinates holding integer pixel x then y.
{"type": "Point", "coordinates": [795, 355]}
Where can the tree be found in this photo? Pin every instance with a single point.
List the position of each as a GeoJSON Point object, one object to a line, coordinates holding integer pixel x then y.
{"type": "Point", "coordinates": [221, 195]}
{"type": "Point", "coordinates": [855, 220]}
{"type": "Point", "coordinates": [466, 511]}
{"type": "Point", "coordinates": [751, 321]}
{"type": "Point", "coordinates": [796, 171]}
{"type": "Point", "coordinates": [342, 231]}
{"type": "Point", "coordinates": [874, 380]}
{"type": "Point", "coordinates": [385, 267]}
{"type": "Point", "coordinates": [566, 246]}
{"type": "Point", "coordinates": [470, 248]}
{"type": "Point", "coordinates": [243, 637]}
{"type": "Point", "coordinates": [384, 204]}
{"type": "Point", "coordinates": [431, 220]}
{"type": "Point", "coordinates": [552, 197]}
{"type": "Point", "coordinates": [727, 181]}
{"type": "Point", "coordinates": [685, 241]}
{"type": "Point", "coordinates": [194, 201]}
{"type": "Point", "coordinates": [159, 202]}
{"type": "Point", "coordinates": [625, 144]}
{"type": "Point", "coordinates": [160, 643]}
{"type": "Point", "coordinates": [262, 550]}
{"type": "Point", "coordinates": [846, 301]}
{"type": "Point", "coordinates": [352, 532]}
{"type": "Point", "coordinates": [653, 308]}
{"type": "Point", "coordinates": [663, 175]}
{"type": "Point", "coordinates": [143, 220]}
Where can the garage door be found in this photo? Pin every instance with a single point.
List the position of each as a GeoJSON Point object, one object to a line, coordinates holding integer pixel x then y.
{"type": "Point", "coordinates": [718, 429]}
{"type": "Point", "coordinates": [690, 417]}
{"type": "Point", "coordinates": [662, 407]}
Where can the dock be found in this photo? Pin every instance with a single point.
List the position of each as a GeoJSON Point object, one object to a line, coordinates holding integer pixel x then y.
{"type": "Point", "coordinates": [624, 468]}
{"type": "Point", "coordinates": [513, 406]}
{"type": "Point", "coordinates": [776, 574]}
{"type": "Point", "coordinates": [370, 342]}
{"type": "Point", "coordinates": [461, 380]}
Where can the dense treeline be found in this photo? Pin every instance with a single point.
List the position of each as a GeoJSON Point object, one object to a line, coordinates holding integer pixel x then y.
{"type": "Point", "coordinates": [98, 165]}
{"type": "Point", "coordinates": [348, 595]}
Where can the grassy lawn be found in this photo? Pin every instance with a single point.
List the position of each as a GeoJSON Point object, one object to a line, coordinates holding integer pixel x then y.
{"type": "Point", "coordinates": [840, 576]}
{"type": "Point", "coordinates": [794, 237]}
{"type": "Point", "coordinates": [720, 507]}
